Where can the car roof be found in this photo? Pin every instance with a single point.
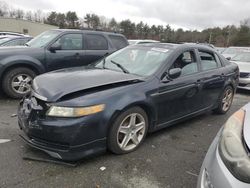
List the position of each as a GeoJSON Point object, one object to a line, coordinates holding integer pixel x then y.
{"type": "Point", "coordinates": [88, 31]}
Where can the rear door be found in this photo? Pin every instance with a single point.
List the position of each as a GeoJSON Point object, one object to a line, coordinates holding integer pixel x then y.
{"type": "Point", "coordinates": [213, 77]}
{"type": "Point", "coordinates": [96, 47]}
{"type": "Point", "coordinates": [70, 55]}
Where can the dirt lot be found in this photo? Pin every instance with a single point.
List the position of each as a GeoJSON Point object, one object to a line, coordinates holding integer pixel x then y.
{"type": "Point", "coordinates": [169, 158]}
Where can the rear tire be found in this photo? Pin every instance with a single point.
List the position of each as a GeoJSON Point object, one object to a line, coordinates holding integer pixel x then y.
{"type": "Point", "coordinates": [17, 82]}
{"type": "Point", "coordinates": [128, 131]}
{"type": "Point", "coordinates": [225, 100]}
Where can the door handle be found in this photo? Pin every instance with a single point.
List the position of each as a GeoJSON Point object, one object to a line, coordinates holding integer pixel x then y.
{"type": "Point", "coordinates": [198, 81]}
{"type": "Point", "coordinates": [77, 55]}
{"type": "Point", "coordinates": [105, 55]}
{"type": "Point", "coordinates": [222, 75]}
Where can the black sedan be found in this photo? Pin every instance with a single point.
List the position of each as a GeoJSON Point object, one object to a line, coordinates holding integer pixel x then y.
{"type": "Point", "coordinates": [113, 103]}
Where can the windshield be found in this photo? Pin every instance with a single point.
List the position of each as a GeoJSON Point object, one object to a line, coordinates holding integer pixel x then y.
{"type": "Point", "coordinates": [2, 40]}
{"type": "Point", "coordinates": [245, 57]}
{"type": "Point", "coordinates": [43, 39]}
{"type": "Point", "coordinates": [142, 61]}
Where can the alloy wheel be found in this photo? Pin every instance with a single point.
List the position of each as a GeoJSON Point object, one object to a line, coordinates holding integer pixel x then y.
{"type": "Point", "coordinates": [21, 83]}
{"type": "Point", "coordinates": [131, 131]}
{"type": "Point", "coordinates": [227, 99]}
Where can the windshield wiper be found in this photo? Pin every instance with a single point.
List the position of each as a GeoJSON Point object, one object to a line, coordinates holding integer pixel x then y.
{"type": "Point", "coordinates": [26, 44]}
{"type": "Point", "coordinates": [120, 66]}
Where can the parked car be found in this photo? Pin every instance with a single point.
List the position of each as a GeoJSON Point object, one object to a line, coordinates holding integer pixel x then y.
{"type": "Point", "coordinates": [233, 51]}
{"type": "Point", "coordinates": [53, 49]}
{"type": "Point", "coordinates": [115, 102]}
{"type": "Point", "coordinates": [12, 34]}
{"type": "Point", "coordinates": [14, 41]}
{"type": "Point", "coordinates": [243, 61]}
{"type": "Point", "coordinates": [220, 49]}
{"type": "Point", "coordinates": [227, 162]}
{"type": "Point", "coordinates": [141, 41]}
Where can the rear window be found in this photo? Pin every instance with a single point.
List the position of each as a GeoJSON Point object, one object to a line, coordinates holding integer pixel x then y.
{"type": "Point", "coordinates": [118, 41]}
{"type": "Point", "coordinates": [96, 42]}
{"type": "Point", "coordinates": [208, 61]}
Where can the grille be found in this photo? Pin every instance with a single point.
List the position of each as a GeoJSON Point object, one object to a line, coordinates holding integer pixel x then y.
{"type": "Point", "coordinates": [242, 85]}
{"type": "Point", "coordinates": [244, 75]}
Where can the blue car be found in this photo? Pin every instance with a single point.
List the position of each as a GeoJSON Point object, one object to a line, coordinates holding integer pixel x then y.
{"type": "Point", "coordinates": [113, 103]}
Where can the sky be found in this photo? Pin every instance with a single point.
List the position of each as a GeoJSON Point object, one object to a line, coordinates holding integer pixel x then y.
{"type": "Point", "coordinates": [186, 14]}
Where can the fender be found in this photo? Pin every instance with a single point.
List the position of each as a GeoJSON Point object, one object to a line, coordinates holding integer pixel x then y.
{"type": "Point", "coordinates": [134, 99]}
{"type": "Point", "coordinates": [21, 60]}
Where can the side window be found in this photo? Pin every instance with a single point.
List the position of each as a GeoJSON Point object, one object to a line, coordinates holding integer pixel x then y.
{"type": "Point", "coordinates": [96, 42]}
{"type": "Point", "coordinates": [218, 60]}
{"type": "Point", "coordinates": [208, 61]}
{"type": "Point", "coordinates": [70, 42]}
{"type": "Point", "coordinates": [118, 41]}
{"type": "Point", "coordinates": [187, 62]}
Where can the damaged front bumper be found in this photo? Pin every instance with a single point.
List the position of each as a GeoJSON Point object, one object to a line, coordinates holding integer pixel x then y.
{"type": "Point", "coordinates": [62, 138]}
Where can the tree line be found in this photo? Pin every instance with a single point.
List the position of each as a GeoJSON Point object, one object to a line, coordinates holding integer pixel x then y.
{"type": "Point", "coordinates": [230, 35]}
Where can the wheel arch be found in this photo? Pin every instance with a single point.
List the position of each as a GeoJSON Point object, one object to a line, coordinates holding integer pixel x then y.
{"type": "Point", "coordinates": [149, 110]}
{"type": "Point", "coordinates": [37, 69]}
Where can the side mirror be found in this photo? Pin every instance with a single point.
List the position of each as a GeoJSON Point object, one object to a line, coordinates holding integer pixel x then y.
{"type": "Point", "coordinates": [174, 73]}
{"type": "Point", "coordinates": [228, 58]}
{"type": "Point", "coordinates": [55, 47]}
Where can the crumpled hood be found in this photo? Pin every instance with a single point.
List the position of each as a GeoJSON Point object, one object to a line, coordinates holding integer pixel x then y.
{"type": "Point", "coordinates": [243, 66]}
{"type": "Point", "coordinates": [54, 85]}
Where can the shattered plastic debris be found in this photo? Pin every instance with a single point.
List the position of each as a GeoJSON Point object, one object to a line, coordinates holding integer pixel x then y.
{"type": "Point", "coordinates": [4, 141]}
{"type": "Point", "coordinates": [103, 168]}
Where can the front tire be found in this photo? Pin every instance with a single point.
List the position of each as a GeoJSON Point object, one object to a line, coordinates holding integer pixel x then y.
{"type": "Point", "coordinates": [128, 131]}
{"type": "Point", "coordinates": [17, 82]}
{"type": "Point", "coordinates": [225, 100]}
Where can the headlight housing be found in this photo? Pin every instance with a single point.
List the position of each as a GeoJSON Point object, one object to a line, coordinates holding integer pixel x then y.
{"type": "Point", "coordinates": [232, 148]}
{"type": "Point", "coordinates": [58, 111]}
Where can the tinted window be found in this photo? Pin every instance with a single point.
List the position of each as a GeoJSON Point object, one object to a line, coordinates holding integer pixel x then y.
{"type": "Point", "coordinates": [208, 61]}
{"type": "Point", "coordinates": [70, 42]}
{"type": "Point", "coordinates": [118, 41]}
{"type": "Point", "coordinates": [187, 62]}
{"type": "Point", "coordinates": [96, 42]}
{"type": "Point", "coordinates": [219, 63]}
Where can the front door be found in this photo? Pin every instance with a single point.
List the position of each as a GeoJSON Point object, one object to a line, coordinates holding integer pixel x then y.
{"type": "Point", "coordinates": [70, 54]}
{"type": "Point", "coordinates": [180, 96]}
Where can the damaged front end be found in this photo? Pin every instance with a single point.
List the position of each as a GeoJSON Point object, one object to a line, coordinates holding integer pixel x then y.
{"type": "Point", "coordinates": [62, 138]}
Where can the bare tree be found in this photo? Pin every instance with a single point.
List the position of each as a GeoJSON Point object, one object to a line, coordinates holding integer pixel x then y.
{"type": "Point", "coordinates": [3, 8]}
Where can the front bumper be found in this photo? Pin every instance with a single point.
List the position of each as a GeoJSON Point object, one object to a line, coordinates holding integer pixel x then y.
{"type": "Point", "coordinates": [62, 138]}
{"type": "Point", "coordinates": [214, 173]}
{"type": "Point", "coordinates": [244, 83]}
